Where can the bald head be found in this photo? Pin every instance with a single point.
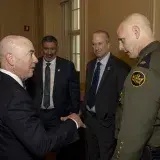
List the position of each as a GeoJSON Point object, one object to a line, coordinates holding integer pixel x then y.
{"type": "Point", "coordinates": [137, 19]}
{"type": "Point", "coordinates": [13, 44]}
{"type": "Point", "coordinates": [134, 34]}
{"type": "Point", "coordinates": [17, 55]}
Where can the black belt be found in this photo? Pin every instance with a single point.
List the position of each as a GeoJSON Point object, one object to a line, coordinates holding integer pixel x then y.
{"type": "Point", "coordinates": [151, 153]}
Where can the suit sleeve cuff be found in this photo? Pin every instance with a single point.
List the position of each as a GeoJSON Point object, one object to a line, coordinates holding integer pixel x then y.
{"type": "Point", "coordinates": [75, 123]}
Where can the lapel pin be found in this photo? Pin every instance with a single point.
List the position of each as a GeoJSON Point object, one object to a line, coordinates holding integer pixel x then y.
{"type": "Point", "coordinates": [108, 68]}
{"type": "Point", "coordinates": [58, 70]}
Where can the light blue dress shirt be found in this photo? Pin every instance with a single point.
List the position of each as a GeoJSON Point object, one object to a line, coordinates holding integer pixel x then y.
{"type": "Point", "coordinates": [103, 62]}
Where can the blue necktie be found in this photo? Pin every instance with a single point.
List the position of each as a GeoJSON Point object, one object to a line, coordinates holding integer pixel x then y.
{"type": "Point", "coordinates": [46, 99]}
{"type": "Point", "coordinates": [92, 92]}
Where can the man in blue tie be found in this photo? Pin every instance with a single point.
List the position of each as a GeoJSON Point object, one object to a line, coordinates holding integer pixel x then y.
{"type": "Point", "coordinates": [105, 76]}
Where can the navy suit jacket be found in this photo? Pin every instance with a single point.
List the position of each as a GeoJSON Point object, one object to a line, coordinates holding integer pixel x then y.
{"type": "Point", "coordinates": [110, 87]}
{"type": "Point", "coordinates": [21, 134]}
{"type": "Point", "coordinates": [66, 88]}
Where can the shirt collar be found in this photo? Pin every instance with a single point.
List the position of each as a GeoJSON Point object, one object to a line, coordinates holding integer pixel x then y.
{"type": "Point", "coordinates": [105, 59]}
{"type": "Point", "coordinates": [12, 75]}
{"type": "Point", "coordinates": [52, 62]}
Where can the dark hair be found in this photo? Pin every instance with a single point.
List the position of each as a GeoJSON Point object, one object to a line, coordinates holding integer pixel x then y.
{"type": "Point", "coordinates": [104, 32]}
{"type": "Point", "coordinates": [49, 38]}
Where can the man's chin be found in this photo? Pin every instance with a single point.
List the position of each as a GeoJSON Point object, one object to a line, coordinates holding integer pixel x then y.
{"type": "Point", "coordinates": [48, 59]}
{"type": "Point", "coordinates": [30, 74]}
{"type": "Point", "coordinates": [129, 54]}
{"type": "Point", "coordinates": [99, 55]}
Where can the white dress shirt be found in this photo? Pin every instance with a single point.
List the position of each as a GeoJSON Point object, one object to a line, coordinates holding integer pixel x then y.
{"type": "Point", "coordinates": [52, 75]}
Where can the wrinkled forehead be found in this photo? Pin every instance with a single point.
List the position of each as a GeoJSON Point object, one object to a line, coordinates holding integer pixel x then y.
{"type": "Point", "coordinates": [99, 37]}
{"type": "Point", "coordinates": [19, 46]}
{"type": "Point", "coordinates": [49, 44]}
{"type": "Point", "coordinates": [23, 43]}
{"type": "Point", "coordinates": [123, 30]}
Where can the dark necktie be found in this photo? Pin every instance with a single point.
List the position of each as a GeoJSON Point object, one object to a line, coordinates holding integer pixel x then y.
{"type": "Point", "coordinates": [92, 92]}
{"type": "Point", "coordinates": [46, 99]}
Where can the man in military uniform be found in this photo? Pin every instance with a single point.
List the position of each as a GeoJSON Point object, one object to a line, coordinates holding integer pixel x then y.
{"type": "Point", "coordinates": [138, 116]}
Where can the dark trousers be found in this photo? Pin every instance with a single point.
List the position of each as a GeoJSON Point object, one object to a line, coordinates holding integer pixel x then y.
{"type": "Point", "coordinates": [100, 142]}
{"type": "Point", "coordinates": [74, 151]}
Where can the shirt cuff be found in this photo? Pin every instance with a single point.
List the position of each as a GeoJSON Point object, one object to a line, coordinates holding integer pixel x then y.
{"type": "Point", "coordinates": [75, 122]}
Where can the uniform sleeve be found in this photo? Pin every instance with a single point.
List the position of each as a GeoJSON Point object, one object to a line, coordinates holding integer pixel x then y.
{"type": "Point", "coordinates": [140, 108]}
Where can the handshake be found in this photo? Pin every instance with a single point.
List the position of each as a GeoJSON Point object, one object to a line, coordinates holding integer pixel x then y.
{"type": "Point", "coordinates": [76, 118]}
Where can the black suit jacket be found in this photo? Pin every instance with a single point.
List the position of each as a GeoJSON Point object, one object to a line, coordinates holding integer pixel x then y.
{"type": "Point", "coordinates": [66, 88]}
{"type": "Point", "coordinates": [110, 87]}
{"type": "Point", "coordinates": [21, 133]}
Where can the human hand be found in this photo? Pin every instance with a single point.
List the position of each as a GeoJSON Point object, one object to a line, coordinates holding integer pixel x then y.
{"type": "Point", "coordinates": [76, 118]}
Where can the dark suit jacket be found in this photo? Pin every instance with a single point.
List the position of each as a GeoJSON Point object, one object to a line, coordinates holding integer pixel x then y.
{"type": "Point", "coordinates": [21, 133]}
{"type": "Point", "coordinates": [66, 88]}
{"type": "Point", "coordinates": [110, 87]}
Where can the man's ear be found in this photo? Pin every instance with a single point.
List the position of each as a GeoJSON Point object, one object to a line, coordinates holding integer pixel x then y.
{"type": "Point", "coordinates": [136, 31]}
{"type": "Point", "coordinates": [9, 58]}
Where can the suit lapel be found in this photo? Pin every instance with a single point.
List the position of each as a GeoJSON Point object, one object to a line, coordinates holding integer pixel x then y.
{"type": "Point", "coordinates": [107, 71]}
{"type": "Point", "coordinates": [57, 73]}
{"type": "Point", "coordinates": [90, 73]}
{"type": "Point", "coordinates": [39, 72]}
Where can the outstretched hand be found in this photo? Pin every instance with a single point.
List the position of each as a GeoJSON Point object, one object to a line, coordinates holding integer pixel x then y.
{"type": "Point", "coordinates": [76, 118]}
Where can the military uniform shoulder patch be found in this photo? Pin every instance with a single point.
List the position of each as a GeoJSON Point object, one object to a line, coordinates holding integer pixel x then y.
{"type": "Point", "coordinates": [138, 78]}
